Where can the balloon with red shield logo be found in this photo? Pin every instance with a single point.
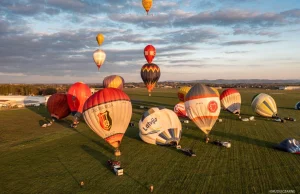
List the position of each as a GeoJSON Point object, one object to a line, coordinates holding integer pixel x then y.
{"type": "Point", "coordinates": [202, 105]}
{"type": "Point", "coordinates": [58, 107]}
{"type": "Point", "coordinates": [77, 95]}
{"type": "Point", "coordinates": [108, 113]}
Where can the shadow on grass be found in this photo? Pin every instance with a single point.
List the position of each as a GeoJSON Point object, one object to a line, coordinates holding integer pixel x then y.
{"type": "Point", "coordinates": [288, 108]}
{"type": "Point", "coordinates": [67, 170]}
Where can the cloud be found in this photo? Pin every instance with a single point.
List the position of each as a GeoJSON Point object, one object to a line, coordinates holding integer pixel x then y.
{"type": "Point", "coordinates": [251, 31]}
{"type": "Point", "coordinates": [242, 42]}
{"type": "Point", "coordinates": [236, 52]}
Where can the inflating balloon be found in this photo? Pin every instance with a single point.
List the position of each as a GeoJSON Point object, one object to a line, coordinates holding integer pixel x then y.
{"type": "Point", "coordinates": [183, 90]}
{"type": "Point", "coordinates": [160, 126]}
{"type": "Point", "coordinates": [58, 107]}
{"type": "Point", "coordinates": [99, 57]}
{"type": "Point", "coordinates": [202, 105]}
{"type": "Point", "coordinates": [231, 100]}
{"type": "Point", "coordinates": [215, 90]}
{"type": "Point", "coordinates": [264, 105]}
{"type": "Point", "coordinates": [149, 53]}
{"type": "Point", "coordinates": [78, 93]}
{"type": "Point", "coordinates": [100, 39]}
{"type": "Point", "coordinates": [113, 81]}
{"type": "Point", "coordinates": [147, 4]}
{"type": "Point", "coordinates": [179, 109]}
{"type": "Point", "coordinates": [108, 113]}
{"type": "Point", "coordinates": [150, 74]}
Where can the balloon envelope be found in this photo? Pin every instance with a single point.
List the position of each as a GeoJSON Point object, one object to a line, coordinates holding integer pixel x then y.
{"type": "Point", "coordinates": [202, 105]}
{"type": "Point", "coordinates": [297, 106]}
{"type": "Point", "coordinates": [108, 113]}
{"type": "Point", "coordinates": [57, 106]}
{"type": "Point", "coordinates": [179, 109]}
{"type": "Point", "coordinates": [264, 105]}
{"type": "Point", "coordinates": [100, 39]}
{"type": "Point", "coordinates": [182, 92]}
{"type": "Point", "coordinates": [290, 145]}
{"type": "Point", "coordinates": [113, 81]}
{"type": "Point", "coordinates": [78, 93]}
{"type": "Point", "coordinates": [160, 126]}
{"type": "Point", "coordinates": [147, 4]}
{"type": "Point", "coordinates": [149, 53]}
{"type": "Point", "coordinates": [231, 100]}
{"type": "Point", "coordinates": [150, 74]}
{"type": "Point", "coordinates": [215, 90]}
{"type": "Point", "coordinates": [99, 57]}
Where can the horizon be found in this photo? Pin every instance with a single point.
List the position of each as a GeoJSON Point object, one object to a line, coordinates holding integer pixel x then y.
{"type": "Point", "coordinates": [53, 42]}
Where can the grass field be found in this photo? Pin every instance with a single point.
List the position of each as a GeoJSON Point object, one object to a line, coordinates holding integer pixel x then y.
{"type": "Point", "coordinates": [57, 158]}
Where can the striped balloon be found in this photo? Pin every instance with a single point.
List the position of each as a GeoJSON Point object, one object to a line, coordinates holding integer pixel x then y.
{"type": "Point", "coordinates": [297, 106]}
{"type": "Point", "coordinates": [160, 126]}
{"type": "Point", "coordinates": [231, 100]}
{"type": "Point", "coordinates": [202, 105]}
{"type": "Point", "coordinates": [150, 74]}
{"type": "Point", "coordinates": [108, 113]}
{"type": "Point", "coordinates": [183, 90]}
{"type": "Point", "coordinates": [264, 105]}
{"type": "Point", "coordinates": [99, 57]}
{"type": "Point", "coordinates": [113, 81]}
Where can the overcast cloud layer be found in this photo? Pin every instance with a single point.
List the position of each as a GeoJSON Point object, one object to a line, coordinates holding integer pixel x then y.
{"type": "Point", "coordinates": [53, 41]}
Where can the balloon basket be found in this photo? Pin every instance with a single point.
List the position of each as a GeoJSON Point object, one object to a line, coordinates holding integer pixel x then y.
{"type": "Point", "coordinates": [117, 153]}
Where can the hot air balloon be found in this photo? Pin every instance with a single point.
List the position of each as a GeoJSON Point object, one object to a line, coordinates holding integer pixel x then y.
{"type": "Point", "coordinates": [78, 93]}
{"type": "Point", "coordinates": [202, 105]}
{"type": "Point", "coordinates": [150, 74]}
{"type": "Point", "coordinates": [297, 106]}
{"type": "Point", "coordinates": [99, 57]}
{"type": "Point", "coordinates": [231, 100]}
{"type": "Point", "coordinates": [149, 53]}
{"type": "Point", "coordinates": [160, 126]}
{"type": "Point", "coordinates": [215, 90]}
{"type": "Point", "coordinates": [183, 90]}
{"type": "Point", "coordinates": [58, 107]}
{"type": "Point", "coordinates": [264, 105]}
{"type": "Point", "coordinates": [100, 39]}
{"type": "Point", "coordinates": [113, 81]}
{"type": "Point", "coordinates": [179, 109]}
{"type": "Point", "coordinates": [147, 4]}
{"type": "Point", "coordinates": [108, 113]}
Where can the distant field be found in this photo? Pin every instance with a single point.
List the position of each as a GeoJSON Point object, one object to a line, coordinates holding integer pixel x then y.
{"type": "Point", "coordinates": [56, 159]}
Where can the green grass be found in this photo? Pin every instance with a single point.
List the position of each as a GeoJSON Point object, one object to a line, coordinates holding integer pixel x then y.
{"type": "Point", "coordinates": [57, 158]}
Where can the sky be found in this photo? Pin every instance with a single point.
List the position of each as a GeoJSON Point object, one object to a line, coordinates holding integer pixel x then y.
{"type": "Point", "coordinates": [53, 41]}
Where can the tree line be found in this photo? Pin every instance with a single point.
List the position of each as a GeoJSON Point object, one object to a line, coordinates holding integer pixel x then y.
{"type": "Point", "coordinates": [27, 90]}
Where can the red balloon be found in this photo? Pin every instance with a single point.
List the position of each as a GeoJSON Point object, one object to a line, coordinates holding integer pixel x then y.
{"type": "Point", "coordinates": [77, 95]}
{"type": "Point", "coordinates": [58, 107]}
{"type": "Point", "coordinates": [149, 53]}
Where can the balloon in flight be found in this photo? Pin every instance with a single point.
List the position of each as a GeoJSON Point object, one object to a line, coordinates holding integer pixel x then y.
{"type": "Point", "coordinates": [147, 4]}
{"type": "Point", "coordinates": [99, 57]}
{"type": "Point", "coordinates": [150, 74]}
{"type": "Point", "coordinates": [149, 53]}
{"type": "Point", "coordinates": [100, 39]}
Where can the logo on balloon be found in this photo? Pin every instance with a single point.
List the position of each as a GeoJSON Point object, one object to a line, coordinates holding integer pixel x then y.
{"type": "Point", "coordinates": [212, 106]}
{"type": "Point", "coordinates": [105, 120]}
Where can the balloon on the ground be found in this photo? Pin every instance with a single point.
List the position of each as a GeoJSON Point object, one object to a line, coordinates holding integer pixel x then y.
{"type": "Point", "coordinates": [78, 93]}
{"type": "Point", "coordinates": [202, 105]}
{"type": "Point", "coordinates": [160, 126]}
{"type": "Point", "coordinates": [179, 109]}
{"type": "Point", "coordinates": [264, 105]}
{"type": "Point", "coordinates": [150, 74]}
{"type": "Point", "coordinates": [182, 91]}
{"type": "Point", "coordinates": [57, 106]}
{"type": "Point", "coordinates": [113, 81]}
{"type": "Point", "coordinates": [215, 90]}
{"type": "Point", "coordinates": [290, 145]}
{"type": "Point", "coordinates": [100, 39]}
{"type": "Point", "coordinates": [297, 106]}
{"type": "Point", "coordinates": [99, 57]}
{"type": "Point", "coordinates": [108, 113]}
{"type": "Point", "coordinates": [147, 4]}
{"type": "Point", "coordinates": [231, 100]}
{"type": "Point", "coordinates": [149, 53]}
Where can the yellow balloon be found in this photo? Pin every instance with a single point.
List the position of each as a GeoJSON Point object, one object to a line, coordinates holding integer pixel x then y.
{"type": "Point", "coordinates": [183, 90]}
{"type": "Point", "coordinates": [100, 39]}
{"type": "Point", "coordinates": [215, 90]}
{"type": "Point", "coordinates": [147, 4]}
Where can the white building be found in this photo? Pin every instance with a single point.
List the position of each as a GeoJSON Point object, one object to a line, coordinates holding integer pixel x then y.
{"type": "Point", "coordinates": [289, 88]}
{"type": "Point", "coordinates": [24, 100]}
